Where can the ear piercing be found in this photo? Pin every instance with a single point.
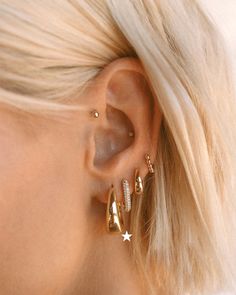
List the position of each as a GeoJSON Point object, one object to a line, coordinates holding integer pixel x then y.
{"type": "Point", "coordinates": [138, 183]}
{"type": "Point", "coordinates": [114, 217]}
{"type": "Point", "coordinates": [149, 164]}
{"type": "Point", "coordinates": [126, 192]}
{"type": "Point", "coordinates": [94, 113]}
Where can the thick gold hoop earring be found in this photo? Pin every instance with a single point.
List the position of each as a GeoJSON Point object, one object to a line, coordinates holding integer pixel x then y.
{"type": "Point", "coordinates": [138, 183]}
{"type": "Point", "coordinates": [114, 218]}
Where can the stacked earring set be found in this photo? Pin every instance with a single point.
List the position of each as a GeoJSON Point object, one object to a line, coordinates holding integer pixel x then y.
{"type": "Point", "coordinates": [114, 216]}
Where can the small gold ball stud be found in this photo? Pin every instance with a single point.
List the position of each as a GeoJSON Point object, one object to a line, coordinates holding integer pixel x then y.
{"type": "Point", "coordinates": [95, 113]}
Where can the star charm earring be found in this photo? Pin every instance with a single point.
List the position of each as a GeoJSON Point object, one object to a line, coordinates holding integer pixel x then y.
{"type": "Point", "coordinates": [126, 236]}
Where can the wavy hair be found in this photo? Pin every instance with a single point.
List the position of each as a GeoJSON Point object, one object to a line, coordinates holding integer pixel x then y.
{"type": "Point", "coordinates": [185, 225]}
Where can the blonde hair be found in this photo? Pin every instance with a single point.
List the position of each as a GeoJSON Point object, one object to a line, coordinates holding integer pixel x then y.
{"type": "Point", "coordinates": [184, 227]}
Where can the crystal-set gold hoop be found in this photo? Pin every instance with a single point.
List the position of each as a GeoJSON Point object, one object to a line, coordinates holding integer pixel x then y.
{"type": "Point", "coordinates": [127, 195]}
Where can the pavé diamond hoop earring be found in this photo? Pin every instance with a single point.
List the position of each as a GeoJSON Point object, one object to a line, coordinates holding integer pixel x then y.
{"type": "Point", "coordinates": [127, 196]}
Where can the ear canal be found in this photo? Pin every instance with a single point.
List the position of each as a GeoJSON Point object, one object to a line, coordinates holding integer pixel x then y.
{"type": "Point", "coordinates": [114, 217]}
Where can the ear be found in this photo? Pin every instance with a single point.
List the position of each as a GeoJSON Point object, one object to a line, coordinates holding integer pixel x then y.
{"type": "Point", "coordinates": [127, 127]}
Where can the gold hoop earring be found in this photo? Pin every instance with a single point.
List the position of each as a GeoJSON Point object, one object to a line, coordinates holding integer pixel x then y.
{"type": "Point", "coordinates": [126, 193]}
{"type": "Point", "coordinates": [114, 218]}
{"type": "Point", "coordinates": [138, 183]}
{"type": "Point", "coordinates": [149, 164]}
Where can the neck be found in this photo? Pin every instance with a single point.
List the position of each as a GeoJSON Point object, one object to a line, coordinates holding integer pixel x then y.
{"type": "Point", "coordinates": [109, 269]}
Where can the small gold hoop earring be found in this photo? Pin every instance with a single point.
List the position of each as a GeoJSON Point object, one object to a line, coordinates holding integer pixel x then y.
{"type": "Point", "coordinates": [149, 164]}
{"type": "Point", "coordinates": [138, 183]}
{"type": "Point", "coordinates": [114, 218]}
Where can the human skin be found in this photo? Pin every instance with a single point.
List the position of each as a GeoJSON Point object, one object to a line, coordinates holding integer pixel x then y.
{"type": "Point", "coordinates": [54, 179]}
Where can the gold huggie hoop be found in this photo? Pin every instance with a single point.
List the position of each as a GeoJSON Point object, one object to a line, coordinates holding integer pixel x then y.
{"type": "Point", "coordinates": [149, 164]}
{"type": "Point", "coordinates": [138, 183]}
{"type": "Point", "coordinates": [114, 218]}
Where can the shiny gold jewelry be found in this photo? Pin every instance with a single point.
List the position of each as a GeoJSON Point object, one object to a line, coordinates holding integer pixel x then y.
{"type": "Point", "coordinates": [114, 218]}
{"type": "Point", "coordinates": [149, 164]}
{"type": "Point", "coordinates": [95, 113]}
{"type": "Point", "coordinates": [127, 196]}
{"type": "Point", "coordinates": [138, 183]}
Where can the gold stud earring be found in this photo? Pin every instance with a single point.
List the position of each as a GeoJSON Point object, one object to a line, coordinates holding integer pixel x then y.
{"type": "Point", "coordinates": [138, 183]}
{"type": "Point", "coordinates": [114, 218]}
{"type": "Point", "coordinates": [149, 164]}
{"type": "Point", "coordinates": [94, 113]}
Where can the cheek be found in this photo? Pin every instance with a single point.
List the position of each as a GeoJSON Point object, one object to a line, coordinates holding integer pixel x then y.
{"type": "Point", "coordinates": [42, 220]}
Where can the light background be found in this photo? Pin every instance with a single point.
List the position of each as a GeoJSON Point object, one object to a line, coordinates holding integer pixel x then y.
{"type": "Point", "coordinates": [224, 12]}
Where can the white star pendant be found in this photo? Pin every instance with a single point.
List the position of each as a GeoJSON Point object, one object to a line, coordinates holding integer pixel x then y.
{"type": "Point", "coordinates": [126, 236]}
